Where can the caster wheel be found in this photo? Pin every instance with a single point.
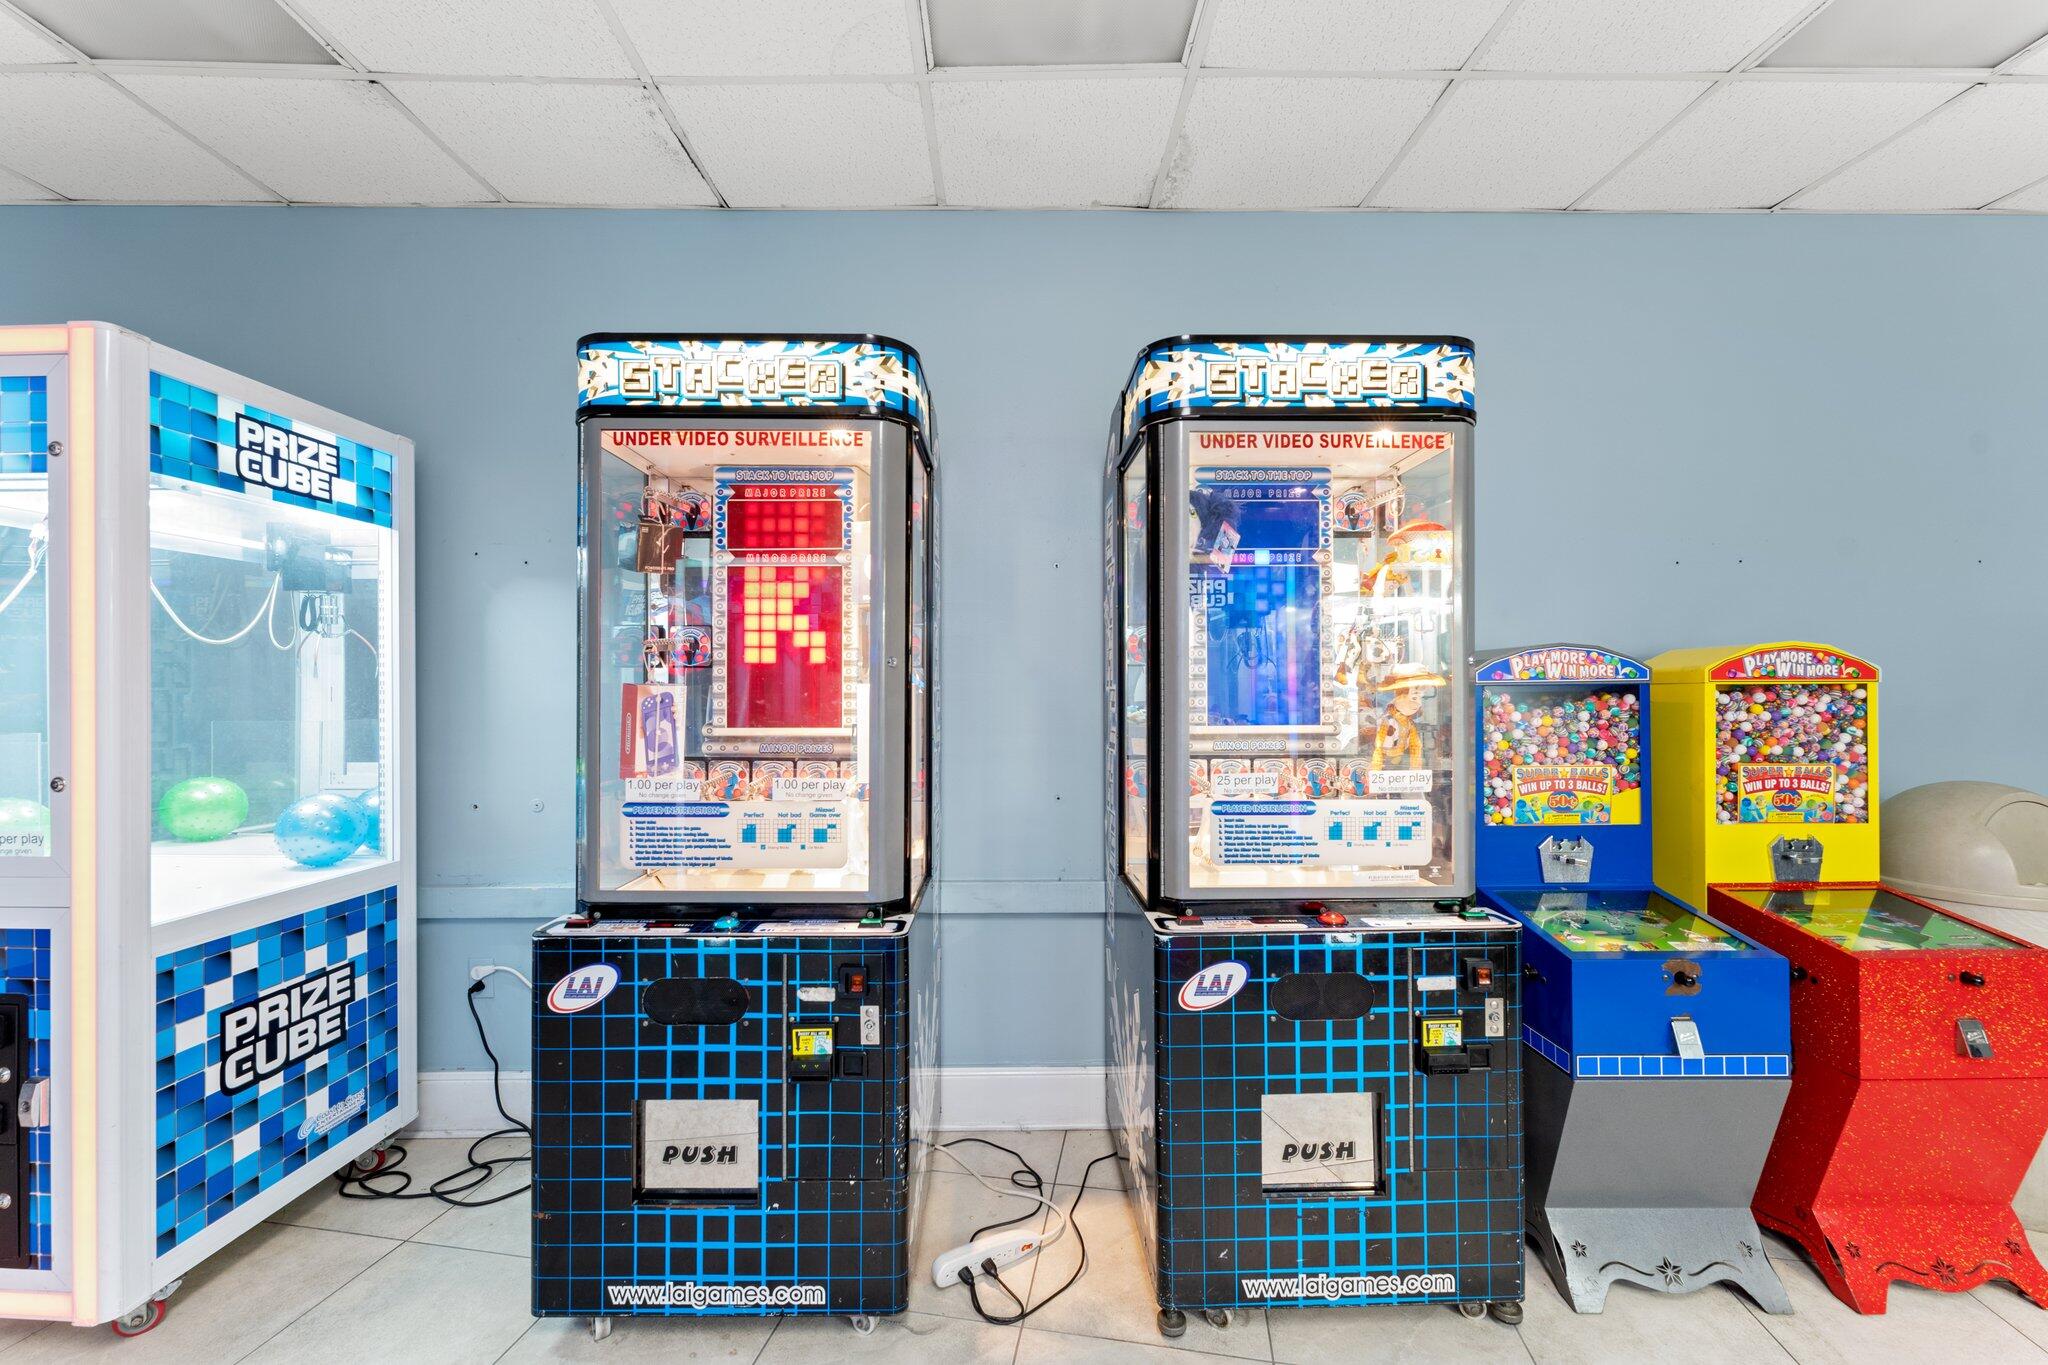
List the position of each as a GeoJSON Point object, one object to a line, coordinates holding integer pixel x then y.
{"type": "Point", "coordinates": [1172, 1323]}
{"type": "Point", "coordinates": [141, 1320]}
{"type": "Point", "coordinates": [1472, 1309]}
{"type": "Point", "coordinates": [863, 1323]}
{"type": "Point", "coordinates": [1216, 1317]}
{"type": "Point", "coordinates": [369, 1163]}
{"type": "Point", "coordinates": [1507, 1310]}
{"type": "Point", "coordinates": [600, 1328]}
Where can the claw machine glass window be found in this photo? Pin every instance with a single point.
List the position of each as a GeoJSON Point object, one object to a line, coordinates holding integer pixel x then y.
{"type": "Point", "coordinates": [25, 636]}
{"type": "Point", "coordinates": [735, 574]}
{"type": "Point", "coordinates": [1322, 629]}
{"type": "Point", "coordinates": [919, 628]}
{"type": "Point", "coordinates": [1134, 647]}
{"type": "Point", "coordinates": [270, 748]}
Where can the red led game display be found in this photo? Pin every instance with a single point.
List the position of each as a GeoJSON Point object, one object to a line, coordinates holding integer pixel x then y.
{"type": "Point", "coordinates": [785, 517]}
{"type": "Point", "coordinates": [784, 659]}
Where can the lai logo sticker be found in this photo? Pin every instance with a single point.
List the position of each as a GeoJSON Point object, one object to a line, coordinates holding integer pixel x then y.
{"type": "Point", "coordinates": [1213, 985]}
{"type": "Point", "coordinates": [582, 988]}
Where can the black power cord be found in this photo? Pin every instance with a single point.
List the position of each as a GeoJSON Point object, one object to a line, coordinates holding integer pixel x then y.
{"type": "Point", "coordinates": [359, 1184]}
{"type": "Point", "coordinates": [1025, 1177]}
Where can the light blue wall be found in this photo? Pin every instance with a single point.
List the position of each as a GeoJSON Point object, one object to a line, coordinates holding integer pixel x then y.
{"type": "Point", "coordinates": [1693, 430]}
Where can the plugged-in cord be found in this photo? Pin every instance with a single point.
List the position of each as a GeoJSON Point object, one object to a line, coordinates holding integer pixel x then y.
{"type": "Point", "coordinates": [1029, 1182]}
{"type": "Point", "coordinates": [1025, 1183]}
{"type": "Point", "coordinates": [358, 1184]}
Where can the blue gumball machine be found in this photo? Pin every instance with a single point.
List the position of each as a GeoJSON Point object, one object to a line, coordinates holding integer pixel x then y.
{"type": "Point", "coordinates": [319, 831]}
{"type": "Point", "coordinates": [1659, 1041]}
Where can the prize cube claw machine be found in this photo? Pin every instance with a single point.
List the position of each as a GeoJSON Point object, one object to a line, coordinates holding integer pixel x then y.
{"type": "Point", "coordinates": [1642, 1016]}
{"type": "Point", "coordinates": [206, 873]}
{"type": "Point", "coordinates": [733, 1033]}
{"type": "Point", "coordinates": [1314, 1035]}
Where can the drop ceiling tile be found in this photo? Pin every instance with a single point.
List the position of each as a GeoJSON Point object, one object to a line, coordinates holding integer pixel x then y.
{"type": "Point", "coordinates": [1283, 142]}
{"type": "Point", "coordinates": [1348, 35]}
{"type": "Point", "coordinates": [179, 30]}
{"type": "Point", "coordinates": [21, 44]}
{"type": "Point", "coordinates": [1983, 144]}
{"type": "Point", "coordinates": [2032, 62]}
{"type": "Point", "coordinates": [313, 141]}
{"type": "Point", "coordinates": [2033, 199]}
{"type": "Point", "coordinates": [1751, 143]}
{"type": "Point", "coordinates": [560, 144]}
{"type": "Point", "coordinates": [1528, 144]}
{"type": "Point", "coordinates": [473, 37]}
{"type": "Point", "coordinates": [808, 146]}
{"type": "Point", "coordinates": [740, 40]}
{"type": "Point", "coordinates": [1881, 33]}
{"type": "Point", "coordinates": [1053, 143]}
{"type": "Point", "coordinates": [85, 139]}
{"type": "Point", "coordinates": [1629, 35]}
{"type": "Point", "coordinates": [15, 190]}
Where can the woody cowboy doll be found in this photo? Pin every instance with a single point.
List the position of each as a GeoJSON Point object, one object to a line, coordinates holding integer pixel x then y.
{"type": "Point", "coordinates": [1398, 742]}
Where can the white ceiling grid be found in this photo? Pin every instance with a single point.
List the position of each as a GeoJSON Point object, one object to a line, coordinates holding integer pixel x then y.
{"type": "Point", "coordinates": [1579, 105]}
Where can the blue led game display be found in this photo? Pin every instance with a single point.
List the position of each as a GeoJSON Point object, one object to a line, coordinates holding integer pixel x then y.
{"type": "Point", "coordinates": [273, 1045]}
{"type": "Point", "coordinates": [192, 431]}
{"type": "Point", "coordinates": [1256, 577]}
{"type": "Point", "coordinates": [24, 424]}
{"type": "Point", "coordinates": [25, 970]}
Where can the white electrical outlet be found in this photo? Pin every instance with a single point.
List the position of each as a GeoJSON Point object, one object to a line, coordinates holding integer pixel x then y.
{"type": "Point", "coordinates": [1004, 1248]}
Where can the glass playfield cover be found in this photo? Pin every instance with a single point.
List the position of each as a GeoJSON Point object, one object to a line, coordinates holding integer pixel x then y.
{"type": "Point", "coordinates": [1866, 919]}
{"type": "Point", "coordinates": [1620, 922]}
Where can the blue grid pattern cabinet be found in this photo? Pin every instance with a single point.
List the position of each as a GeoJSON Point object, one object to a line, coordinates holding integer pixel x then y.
{"type": "Point", "coordinates": [206, 812]}
{"type": "Point", "coordinates": [734, 1034]}
{"type": "Point", "coordinates": [1642, 1015]}
{"type": "Point", "coordinates": [1315, 1035]}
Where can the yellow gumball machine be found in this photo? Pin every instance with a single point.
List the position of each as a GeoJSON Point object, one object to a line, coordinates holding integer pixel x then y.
{"type": "Point", "coordinates": [1766, 766]}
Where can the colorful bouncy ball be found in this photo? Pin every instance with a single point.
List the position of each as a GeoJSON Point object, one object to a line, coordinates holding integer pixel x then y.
{"type": "Point", "coordinates": [372, 803]}
{"type": "Point", "coordinates": [24, 826]}
{"type": "Point", "coordinates": [200, 809]}
{"type": "Point", "coordinates": [319, 831]}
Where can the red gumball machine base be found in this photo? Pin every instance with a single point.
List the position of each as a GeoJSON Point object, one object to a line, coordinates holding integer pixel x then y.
{"type": "Point", "coordinates": [1919, 1090]}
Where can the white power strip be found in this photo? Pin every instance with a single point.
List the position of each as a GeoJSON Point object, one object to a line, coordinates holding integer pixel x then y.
{"type": "Point", "coordinates": [1004, 1248]}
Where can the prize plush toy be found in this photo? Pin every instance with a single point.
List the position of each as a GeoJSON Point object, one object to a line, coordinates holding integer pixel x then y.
{"type": "Point", "coordinates": [1398, 743]}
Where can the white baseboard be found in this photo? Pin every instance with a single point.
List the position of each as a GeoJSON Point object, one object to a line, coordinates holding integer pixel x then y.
{"type": "Point", "coordinates": [459, 1103]}
{"type": "Point", "coordinates": [1021, 1097]}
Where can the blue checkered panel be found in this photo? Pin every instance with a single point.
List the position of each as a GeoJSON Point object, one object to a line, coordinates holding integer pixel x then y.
{"type": "Point", "coordinates": [25, 971]}
{"type": "Point", "coordinates": [24, 424]}
{"type": "Point", "coordinates": [188, 427]}
{"type": "Point", "coordinates": [1449, 1195]}
{"type": "Point", "coordinates": [832, 1208]}
{"type": "Point", "coordinates": [218, 1148]}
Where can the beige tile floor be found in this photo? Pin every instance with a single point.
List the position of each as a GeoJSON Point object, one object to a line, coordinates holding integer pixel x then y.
{"type": "Point", "coordinates": [339, 1281]}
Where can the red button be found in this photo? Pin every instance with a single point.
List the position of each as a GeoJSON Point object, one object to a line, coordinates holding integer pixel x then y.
{"type": "Point", "coordinates": [1332, 918]}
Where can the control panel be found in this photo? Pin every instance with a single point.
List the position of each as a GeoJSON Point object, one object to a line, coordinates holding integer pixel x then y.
{"type": "Point", "coordinates": [14, 1241]}
{"type": "Point", "coordinates": [832, 1028]}
{"type": "Point", "coordinates": [1461, 1016]}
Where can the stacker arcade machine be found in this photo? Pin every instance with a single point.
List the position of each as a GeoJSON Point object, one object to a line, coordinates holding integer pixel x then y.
{"type": "Point", "coordinates": [733, 1033]}
{"type": "Point", "coordinates": [206, 779]}
{"type": "Point", "coordinates": [1314, 1034]}
{"type": "Point", "coordinates": [1919, 1038]}
{"type": "Point", "coordinates": [1641, 1014]}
